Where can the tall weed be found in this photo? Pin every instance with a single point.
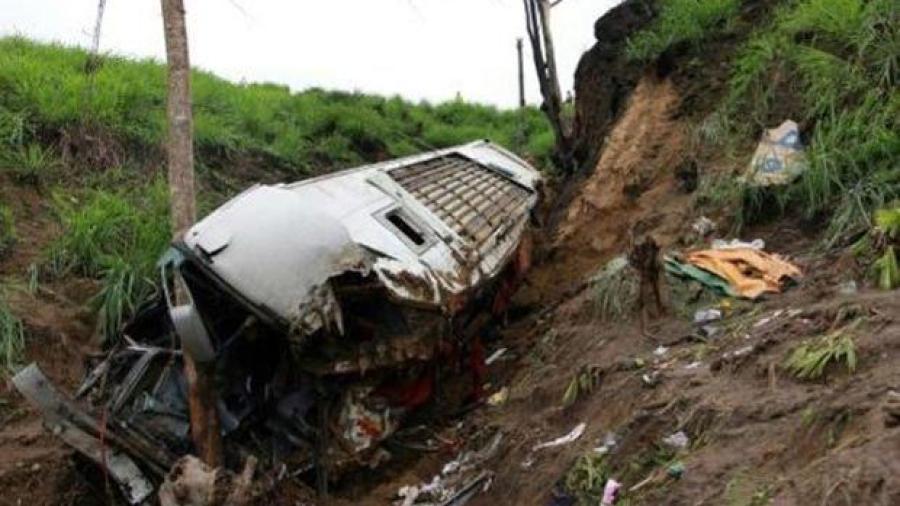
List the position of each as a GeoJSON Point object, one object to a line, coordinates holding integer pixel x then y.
{"type": "Point", "coordinates": [117, 238]}
{"type": "Point", "coordinates": [12, 338]}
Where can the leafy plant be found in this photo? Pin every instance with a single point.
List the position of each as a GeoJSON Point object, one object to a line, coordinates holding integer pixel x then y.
{"type": "Point", "coordinates": [583, 382]}
{"type": "Point", "coordinates": [882, 242]}
{"type": "Point", "coordinates": [587, 477]}
{"type": "Point", "coordinates": [809, 360]}
{"type": "Point", "coordinates": [31, 164]}
{"type": "Point", "coordinates": [12, 338]}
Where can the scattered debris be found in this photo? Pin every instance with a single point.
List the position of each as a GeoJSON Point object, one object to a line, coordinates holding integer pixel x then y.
{"type": "Point", "coordinates": [499, 397]}
{"type": "Point", "coordinates": [650, 379]}
{"type": "Point", "coordinates": [779, 157]}
{"type": "Point", "coordinates": [707, 315]}
{"type": "Point", "coordinates": [574, 434]}
{"type": "Point", "coordinates": [660, 351]}
{"type": "Point", "coordinates": [675, 470]}
{"type": "Point", "coordinates": [495, 356]}
{"type": "Point", "coordinates": [610, 492]}
{"type": "Point", "coordinates": [749, 272]}
{"type": "Point", "coordinates": [709, 331]}
{"type": "Point", "coordinates": [98, 442]}
{"type": "Point", "coordinates": [193, 483]}
{"type": "Point", "coordinates": [609, 442]}
{"type": "Point", "coordinates": [458, 481]}
{"type": "Point", "coordinates": [703, 226]}
{"type": "Point", "coordinates": [848, 288]}
{"type": "Point", "coordinates": [678, 440]}
{"type": "Point", "coordinates": [757, 244]}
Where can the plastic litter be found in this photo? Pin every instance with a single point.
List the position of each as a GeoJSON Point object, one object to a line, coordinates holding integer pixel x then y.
{"type": "Point", "coordinates": [609, 442]}
{"type": "Point", "coordinates": [495, 356]}
{"type": "Point", "coordinates": [574, 434]}
{"type": "Point", "coordinates": [757, 244]}
{"type": "Point", "coordinates": [675, 470]}
{"type": "Point", "coordinates": [456, 483]}
{"type": "Point", "coordinates": [848, 288]}
{"type": "Point", "coordinates": [709, 331]}
{"type": "Point", "coordinates": [650, 379]}
{"type": "Point", "coordinates": [779, 157]}
{"type": "Point", "coordinates": [678, 440]}
{"type": "Point", "coordinates": [703, 226]}
{"type": "Point", "coordinates": [707, 315]}
{"type": "Point", "coordinates": [499, 397]}
{"type": "Point", "coordinates": [749, 272]}
{"type": "Point", "coordinates": [660, 351]}
{"type": "Point", "coordinates": [610, 492]}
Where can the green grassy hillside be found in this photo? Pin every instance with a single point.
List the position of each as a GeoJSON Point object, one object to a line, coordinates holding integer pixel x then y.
{"type": "Point", "coordinates": [50, 92]}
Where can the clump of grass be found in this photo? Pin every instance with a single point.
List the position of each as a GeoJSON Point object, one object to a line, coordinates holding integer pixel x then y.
{"type": "Point", "coordinates": [587, 477]}
{"type": "Point", "coordinates": [32, 164]}
{"type": "Point", "coordinates": [879, 247]}
{"type": "Point", "coordinates": [679, 21]}
{"type": "Point", "coordinates": [809, 360]}
{"type": "Point", "coordinates": [7, 230]}
{"type": "Point", "coordinates": [12, 338]}
{"type": "Point", "coordinates": [583, 383]}
{"type": "Point", "coordinates": [887, 222]}
{"type": "Point", "coordinates": [615, 289]}
{"type": "Point", "coordinates": [116, 237]}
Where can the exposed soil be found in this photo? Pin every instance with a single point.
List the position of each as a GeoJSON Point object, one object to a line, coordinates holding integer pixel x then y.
{"type": "Point", "coordinates": [36, 468]}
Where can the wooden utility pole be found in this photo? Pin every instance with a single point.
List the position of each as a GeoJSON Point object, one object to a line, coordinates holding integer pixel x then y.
{"type": "Point", "coordinates": [521, 73]}
{"type": "Point", "coordinates": [537, 24]}
{"type": "Point", "coordinates": [180, 150]}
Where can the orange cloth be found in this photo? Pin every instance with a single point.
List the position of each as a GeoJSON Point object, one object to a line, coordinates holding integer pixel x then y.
{"type": "Point", "coordinates": [750, 272]}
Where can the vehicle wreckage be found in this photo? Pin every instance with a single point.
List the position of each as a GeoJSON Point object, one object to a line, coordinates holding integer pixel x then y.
{"type": "Point", "coordinates": [330, 309]}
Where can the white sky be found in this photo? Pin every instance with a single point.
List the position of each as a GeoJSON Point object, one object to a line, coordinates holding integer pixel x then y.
{"type": "Point", "coordinates": [419, 49]}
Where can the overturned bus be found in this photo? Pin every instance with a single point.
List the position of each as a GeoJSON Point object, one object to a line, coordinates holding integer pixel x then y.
{"type": "Point", "coordinates": [329, 309]}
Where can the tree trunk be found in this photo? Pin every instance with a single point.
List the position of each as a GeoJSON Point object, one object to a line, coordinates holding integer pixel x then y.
{"type": "Point", "coordinates": [201, 398]}
{"type": "Point", "coordinates": [537, 23]}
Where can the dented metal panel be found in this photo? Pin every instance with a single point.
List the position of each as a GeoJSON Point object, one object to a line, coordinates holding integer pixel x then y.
{"type": "Point", "coordinates": [70, 424]}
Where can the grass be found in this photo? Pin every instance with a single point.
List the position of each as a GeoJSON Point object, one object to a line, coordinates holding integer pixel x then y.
{"type": "Point", "coordinates": [679, 21]}
{"type": "Point", "coordinates": [44, 91]}
{"type": "Point", "coordinates": [116, 237]}
{"type": "Point", "coordinates": [887, 223]}
{"type": "Point", "coordinates": [832, 66]}
{"type": "Point", "coordinates": [582, 383]}
{"type": "Point", "coordinates": [615, 289]}
{"type": "Point", "coordinates": [29, 164]}
{"type": "Point", "coordinates": [7, 230]}
{"type": "Point", "coordinates": [587, 477]}
{"type": "Point", "coordinates": [12, 338]}
{"type": "Point", "coordinates": [811, 359]}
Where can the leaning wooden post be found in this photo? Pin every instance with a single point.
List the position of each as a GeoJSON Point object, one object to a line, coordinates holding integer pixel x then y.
{"type": "Point", "coordinates": [180, 151]}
